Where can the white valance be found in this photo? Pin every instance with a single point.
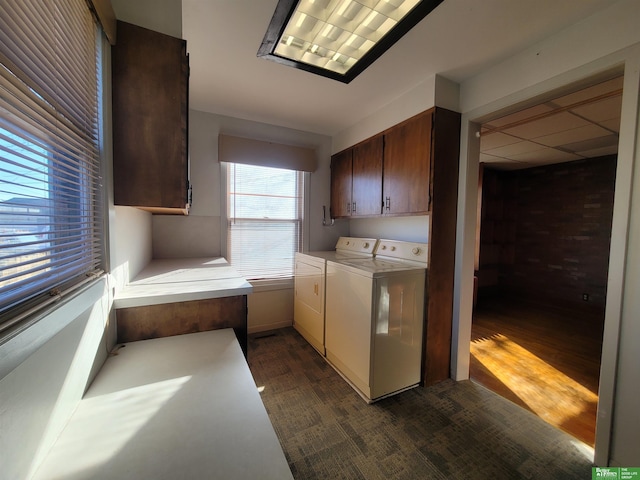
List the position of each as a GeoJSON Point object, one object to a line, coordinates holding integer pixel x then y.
{"type": "Point", "coordinates": [267, 154]}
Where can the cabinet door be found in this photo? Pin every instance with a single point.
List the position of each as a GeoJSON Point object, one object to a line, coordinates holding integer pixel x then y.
{"type": "Point", "coordinates": [308, 302]}
{"type": "Point", "coordinates": [150, 108]}
{"type": "Point", "coordinates": [367, 178]}
{"type": "Point", "coordinates": [407, 160]}
{"type": "Point", "coordinates": [341, 188]}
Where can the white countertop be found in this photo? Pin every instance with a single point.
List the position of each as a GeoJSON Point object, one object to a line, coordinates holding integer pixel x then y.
{"type": "Point", "coordinates": [181, 280]}
{"type": "Point", "coordinates": [184, 406]}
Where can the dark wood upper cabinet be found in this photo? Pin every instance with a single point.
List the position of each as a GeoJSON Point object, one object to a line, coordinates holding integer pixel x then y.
{"type": "Point", "coordinates": [341, 183]}
{"type": "Point", "coordinates": [419, 175]}
{"type": "Point", "coordinates": [367, 177]}
{"type": "Point", "coordinates": [407, 164]}
{"type": "Point", "coordinates": [356, 180]}
{"type": "Point", "coordinates": [392, 173]}
{"type": "Point", "coordinates": [150, 73]}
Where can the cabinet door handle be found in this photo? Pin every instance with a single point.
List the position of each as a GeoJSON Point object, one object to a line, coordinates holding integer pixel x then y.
{"type": "Point", "coordinates": [354, 207]}
{"type": "Point", "coordinates": [315, 288]}
{"type": "Point", "coordinates": [348, 207]}
{"type": "Point", "coordinates": [387, 203]}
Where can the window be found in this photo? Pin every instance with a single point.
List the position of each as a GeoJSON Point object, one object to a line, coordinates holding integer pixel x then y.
{"type": "Point", "coordinates": [264, 214]}
{"type": "Point", "coordinates": [50, 184]}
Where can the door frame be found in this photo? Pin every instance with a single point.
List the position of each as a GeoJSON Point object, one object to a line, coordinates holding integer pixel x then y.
{"type": "Point", "coordinates": [627, 61]}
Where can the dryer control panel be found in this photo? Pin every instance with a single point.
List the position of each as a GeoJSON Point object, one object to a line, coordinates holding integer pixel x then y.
{"type": "Point", "coordinates": [413, 251]}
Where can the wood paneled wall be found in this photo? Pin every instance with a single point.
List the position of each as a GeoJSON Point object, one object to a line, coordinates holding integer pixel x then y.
{"type": "Point", "coordinates": [546, 231]}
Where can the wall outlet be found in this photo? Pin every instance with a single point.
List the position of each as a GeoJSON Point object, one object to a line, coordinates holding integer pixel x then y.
{"type": "Point", "coordinates": [585, 297]}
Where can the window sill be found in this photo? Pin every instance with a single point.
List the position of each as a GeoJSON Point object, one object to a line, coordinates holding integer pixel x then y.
{"type": "Point", "coordinates": [18, 344]}
{"type": "Point", "coordinates": [272, 284]}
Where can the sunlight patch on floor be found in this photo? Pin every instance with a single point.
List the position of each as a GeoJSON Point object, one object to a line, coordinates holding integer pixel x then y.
{"type": "Point", "coordinates": [548, 392]}
{"type": "Point", "coordinates": [585, 450]}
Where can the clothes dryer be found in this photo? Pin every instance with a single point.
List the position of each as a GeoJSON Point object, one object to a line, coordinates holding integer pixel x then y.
{"type": "Point", "coordinates": [309, 292]}
{"type": "Point", "coordinates": [375, 318]}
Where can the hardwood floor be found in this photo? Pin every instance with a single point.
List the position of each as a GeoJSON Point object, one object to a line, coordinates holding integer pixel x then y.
{"type": "Point", "coordinates": [543, 359]}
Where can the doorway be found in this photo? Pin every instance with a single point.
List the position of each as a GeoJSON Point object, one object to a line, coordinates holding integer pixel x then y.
{"type": "Point", "coordinates": [545, 206]}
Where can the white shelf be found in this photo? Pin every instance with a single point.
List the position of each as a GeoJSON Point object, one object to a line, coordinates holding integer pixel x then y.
{"type": "Point", "coordinates": [181, 280]}
{"type": "Point", "coordinates": [176, 407]}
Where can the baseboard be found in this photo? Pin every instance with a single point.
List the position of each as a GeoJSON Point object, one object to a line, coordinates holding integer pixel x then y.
{"type": "Point", "coordinates": [268, 326]}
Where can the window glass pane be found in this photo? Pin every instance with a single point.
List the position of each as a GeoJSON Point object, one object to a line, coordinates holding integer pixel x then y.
{"type": "Point", "coordinates": [50, 172]}
{"type": "Point", "coordinates": [264, 208]}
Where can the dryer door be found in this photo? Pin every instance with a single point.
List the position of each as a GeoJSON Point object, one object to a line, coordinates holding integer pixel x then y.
{"type": "Point", "coordinates": [308, 311]}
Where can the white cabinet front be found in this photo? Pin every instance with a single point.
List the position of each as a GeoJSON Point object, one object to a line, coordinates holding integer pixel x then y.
{"type": "Point", "coordinates": [399, 320]}
{"type": "Point", "coordinates": [308, 310]}
{"type": "Point", "coordinates": [374, 329]}
{"type": "Point", "coordinates": [348, 325]}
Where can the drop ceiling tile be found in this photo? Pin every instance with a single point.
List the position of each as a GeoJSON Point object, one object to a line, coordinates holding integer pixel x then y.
{"type": "Point", "coordinates": [613, 124]}
{"type": "Point", "coordinates": [492, 160]}
{"type": "Point", "coordinates": [540, 163]}
{"type": "Point", "coordinates": [600, 111]}
{"type": "Point", "coordinates": [507, 165]}
{"type": "Point", "coordinates": [546, 155]}
{"type": "Point", "coordinates": [517, 116]}
{"type": "Point", "coordinates": [600, 152]}
{"type": "Point", "coordinates": [574, 135]}
{"type": "Point", "coordinates": [495, 140]}
{"type": "Point", "coordinates": [484, 158]}
{"type": "Point", "coordinates": [592, 143]}
{"type": "Point", "coordinates": [547, 126]}
{"type": "Point", "coordinates": [514, 149]}
{"type": "Point", "coordinates": [590, 92]}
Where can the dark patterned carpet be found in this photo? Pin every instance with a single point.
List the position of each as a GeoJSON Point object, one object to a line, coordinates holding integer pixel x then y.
{"type": "Point", "coordinates": [453, 430]}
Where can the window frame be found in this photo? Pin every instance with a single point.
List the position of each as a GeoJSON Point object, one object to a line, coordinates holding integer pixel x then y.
{"type": "Point", "coordinates": [30, 324]}
{"type": "Point", "coordinates": [267, 283]}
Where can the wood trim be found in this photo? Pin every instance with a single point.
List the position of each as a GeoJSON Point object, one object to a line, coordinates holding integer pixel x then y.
{"type": "Point", "coordinates": [165, 320]}
{"type": "Point", "coordinates": [106, 16]}
{"type": "Point", "coordinates": [445, 153]}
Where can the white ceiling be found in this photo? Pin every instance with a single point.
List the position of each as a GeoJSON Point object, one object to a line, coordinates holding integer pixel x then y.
{"type": "Point", "coordinates": [457, 40]}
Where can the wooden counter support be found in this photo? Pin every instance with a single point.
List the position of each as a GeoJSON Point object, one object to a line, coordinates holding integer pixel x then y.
{"type": "Point", "coordinates": [165, 320]}
{"type": "Point", "coordinates": [178, 296]}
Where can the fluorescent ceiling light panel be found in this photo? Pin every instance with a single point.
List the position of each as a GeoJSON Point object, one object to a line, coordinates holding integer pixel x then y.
{"type": "Point", "coordinates": [338, 38]}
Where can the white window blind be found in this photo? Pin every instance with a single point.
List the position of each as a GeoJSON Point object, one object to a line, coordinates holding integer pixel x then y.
{"type": "Point", "coordinates": [50, 184]}
{"type": "Point", "coordinates": [264, 212]}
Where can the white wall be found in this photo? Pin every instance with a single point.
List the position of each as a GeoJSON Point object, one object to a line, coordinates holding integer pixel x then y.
{"type": "Point", "coordinates": [434, 91]}
{"type": "Point", "coordinates": [200, 233]}
{"type": "Point", "coordinates": [270, 307]}
{"type": "Point", "coordinates": [600, 43]}
{"type": "Point", "coordinates": [164, 16]}
{"type": "Point", "coordinates": [408, 229]}
{"type": "Point", "coordinates": [39, 395]}
{"type": "Point", "coordinates": [130, 243]}
{"type": "Point", "coordinates": [195, 232]}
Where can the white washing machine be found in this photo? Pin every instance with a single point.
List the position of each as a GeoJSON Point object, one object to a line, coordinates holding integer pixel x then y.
{"type": "Point", "coordinates": [375, 318]}
{"type": "Point", "coordinates": [309, 291]}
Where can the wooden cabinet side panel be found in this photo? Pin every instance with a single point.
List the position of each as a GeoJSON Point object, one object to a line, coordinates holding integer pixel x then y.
{"type": "Point", "coordinates": [341, 186]}
{"type": "Point", "coordinates": [442, 241]}
{"type": "Point", "coordinates": [406, 174]}
{"type": "Point", "coordinates": [367, 177]}
{"type": "Point", "coordinates": [149, 118]}
{"type": "Point", "coordinates": [155, 321]}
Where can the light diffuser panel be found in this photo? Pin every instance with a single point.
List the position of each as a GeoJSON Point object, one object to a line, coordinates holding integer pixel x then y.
{"type": "Point", "coordinates": [333, 36]}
